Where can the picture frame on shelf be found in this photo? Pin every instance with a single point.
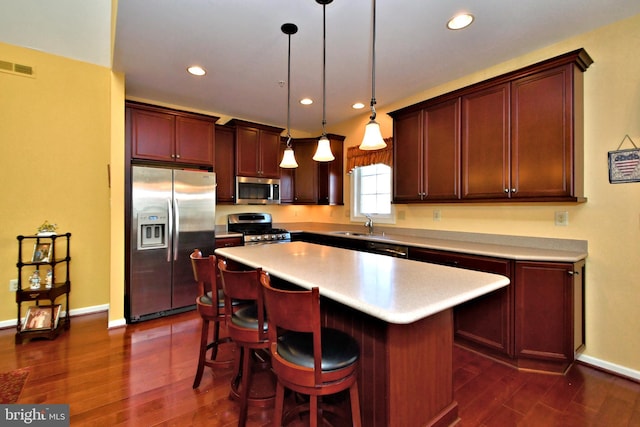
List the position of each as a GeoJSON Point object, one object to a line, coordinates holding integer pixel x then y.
{"type": "Point", "coordinates": [39, 318]}
{"type": "Point", "coordinates": [41, 252]}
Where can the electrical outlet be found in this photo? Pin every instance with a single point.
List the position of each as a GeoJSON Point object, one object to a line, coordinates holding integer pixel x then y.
{"type": "Point", "coordinates": [562, 218]}
{"type": "Point", "coordinates": [437, 215]}
{"type": "Point", "coordinates": [13, 285]}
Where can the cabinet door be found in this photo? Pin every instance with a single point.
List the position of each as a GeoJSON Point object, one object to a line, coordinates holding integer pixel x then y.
{"type": "Point", "coordinates": [152, 135]}
{"type": "Point", "coordinates": [486, 321]}
{"type": "Point", "coordinates": [544, 327]}
{"type": "Point", "coordinates": [306, 174]}
{"type": "Point", "coordinates": [542, 134]}
{"type": "Point", "coordinates": [224, 164]}
{"type": "Point", "coordinates": [485, 144]}
{"type": "Point", "coordinates": [247, 151]}
{"type": "Point", "coordinates": [194, 141]}
{"type": "Point", "coordinates": [269, 154]}
{"type": "Point", "coordinates": [286, 179]}
{"type": "Point", "coordinates": [442, 149]}
{"type": "Point", "coordinates": [330, 174]}
{"type": "Point", "coordinates": [408, 158]}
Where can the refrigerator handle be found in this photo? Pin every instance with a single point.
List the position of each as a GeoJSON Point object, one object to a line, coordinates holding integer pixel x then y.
{"type": "Point", "coordinates": [177, 235]}
{"type": "Point", "coordinates": [170, 233]}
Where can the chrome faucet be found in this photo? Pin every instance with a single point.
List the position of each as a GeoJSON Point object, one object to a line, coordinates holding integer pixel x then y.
{"type": "Point", "coordinates": [369, 224]}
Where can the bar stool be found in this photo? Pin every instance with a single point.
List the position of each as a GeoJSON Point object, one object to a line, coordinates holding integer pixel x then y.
{"type": "Point", "coordinates": [210, 306]}
{"type": "Point", "coordinates": [248, 329]}
{"type": "Point", "coordinates": [306, 357]}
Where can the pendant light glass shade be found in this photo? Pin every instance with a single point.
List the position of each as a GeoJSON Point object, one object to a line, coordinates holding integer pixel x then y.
{"type": "Point", "coordinates": [288, 157]}
{"type": "Point", "coordinates": [323, 152]}
{"type": "Point", "coordinates": [372, 139]}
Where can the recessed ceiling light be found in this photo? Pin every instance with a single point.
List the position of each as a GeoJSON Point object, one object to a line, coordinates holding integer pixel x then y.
{"type": "Point", "coordinates": [196, 70]}
{"type": "Point", "coordinates": [460, 21]}
{"type": "Point", "coordinates": [358, 106]}
{"type": "Point", "coordinates": [306, 101]}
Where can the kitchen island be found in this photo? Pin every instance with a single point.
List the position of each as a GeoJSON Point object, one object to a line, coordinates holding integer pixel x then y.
{"type": "Point", "coordinates": [400, 311]}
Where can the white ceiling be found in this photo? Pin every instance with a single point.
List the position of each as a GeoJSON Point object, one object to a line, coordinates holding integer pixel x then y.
{"type": "Point", "coordinates": [241, 45]}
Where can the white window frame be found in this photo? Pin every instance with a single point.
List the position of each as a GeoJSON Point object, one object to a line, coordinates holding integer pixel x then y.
{"type": "Point", "coordinates": [355, 214]}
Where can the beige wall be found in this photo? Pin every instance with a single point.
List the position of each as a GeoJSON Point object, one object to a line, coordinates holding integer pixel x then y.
{"type": "Point", "coordinates": [55, 139]}
{"type": "Point", "coordinates": [70, 109]}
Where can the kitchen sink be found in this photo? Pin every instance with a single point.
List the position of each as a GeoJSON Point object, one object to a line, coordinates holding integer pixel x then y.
{"type": "Point", "coordinates": [350, 233]}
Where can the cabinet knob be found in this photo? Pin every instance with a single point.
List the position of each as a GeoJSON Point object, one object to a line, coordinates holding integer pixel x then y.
{"type": "Point", "coordinates": [573, 273]}
{"type": "Point", "coordinates": [506, 190]}
{"type": "Point", "coordinates": [177, 156]}
{"type": "Point", "coordinates": [513, 190]}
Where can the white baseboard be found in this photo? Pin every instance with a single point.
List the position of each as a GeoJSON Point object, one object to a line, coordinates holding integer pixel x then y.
{"type": "Point", "coordinates": [11, 323]}
{"type": "Point", "coordinates": [117, 323]}
{"type": "Point", "coordinates": [610, 367]}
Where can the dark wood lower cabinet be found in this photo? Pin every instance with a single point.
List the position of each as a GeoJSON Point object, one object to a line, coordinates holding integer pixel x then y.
{"type": "Point", "coordinates": [485, 322]}
{"type": "Point", "coordinates": [549, 325]}
{"type": "Point", "coordinates": [537, 322]}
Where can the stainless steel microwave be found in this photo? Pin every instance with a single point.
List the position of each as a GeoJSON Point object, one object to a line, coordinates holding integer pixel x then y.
{"type": "Point", "coordinates": [257, 191]}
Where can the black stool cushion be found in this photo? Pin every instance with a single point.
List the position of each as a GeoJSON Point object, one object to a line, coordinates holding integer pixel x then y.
{"type": "Point", "coordinates": [247, 317]}
{"type": "Point", "coordinates": [206, 299]}
{"type": "Point", "coordinates": [339, 349]}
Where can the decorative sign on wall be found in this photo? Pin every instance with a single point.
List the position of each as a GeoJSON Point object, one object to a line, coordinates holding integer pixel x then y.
{"type": "Point", "coordinates": [624, 165]}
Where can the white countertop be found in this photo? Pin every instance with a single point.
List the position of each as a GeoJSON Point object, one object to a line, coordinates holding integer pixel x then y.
{"type": "Point", "coordinates": [391, 289]}
{"type": "Point", "coordinates": [519, 248]}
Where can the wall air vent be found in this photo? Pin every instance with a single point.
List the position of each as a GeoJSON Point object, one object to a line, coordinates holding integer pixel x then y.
{"type": "Point", "coordinates": [17, 69]}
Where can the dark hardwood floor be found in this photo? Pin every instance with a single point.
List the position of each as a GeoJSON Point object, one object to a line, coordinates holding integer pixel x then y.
{"type": "Point", "coordinates": [141, 375]}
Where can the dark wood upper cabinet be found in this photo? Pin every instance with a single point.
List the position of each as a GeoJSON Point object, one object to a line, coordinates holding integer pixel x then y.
{"type": "Point", "coordinates": [408, 181]}
{"type": "Point", "coordinates": [305, 176]}
{"type": "Point", "coordinates": [257, 149]}
{"type": "Point", "coordinates": [546, 110]}
{"type": "Point", "coordinates": [225, 164]}
{"type": "Point", "coordinates": [170, 136]}
{"type": "Point", "coordinates": [516, 137]}
{"type": "Point", "coordinates": [485, 143]}
{"type": "Point", "coordinates": [316, 183]}
{"type": "Point", "coordinates": [427, 152]}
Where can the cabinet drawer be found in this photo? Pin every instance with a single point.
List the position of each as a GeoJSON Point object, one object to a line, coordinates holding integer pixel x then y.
{"type": "Point", "coordinates": [471, 262]}
{"type": "Point", "coordinates": [227, 242]}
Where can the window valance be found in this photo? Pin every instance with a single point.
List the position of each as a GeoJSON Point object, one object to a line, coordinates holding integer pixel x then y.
{"type": "Point", "coordinates": [357, 157]}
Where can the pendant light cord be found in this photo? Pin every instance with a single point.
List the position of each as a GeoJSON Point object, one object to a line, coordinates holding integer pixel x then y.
{"type": "Point", "coordinates": [324, 68]}
{"type": "Point", "coordinates": [373, 66]}
{"type": "Point", "coordinates": [289, 94]}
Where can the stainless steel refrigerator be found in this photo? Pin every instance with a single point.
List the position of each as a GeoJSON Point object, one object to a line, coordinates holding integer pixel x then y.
{"type": "Point", "coordinates": [172, 213]}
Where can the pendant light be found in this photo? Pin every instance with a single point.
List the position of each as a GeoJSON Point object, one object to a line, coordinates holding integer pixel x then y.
{"type": "Point", "coordinates": [323, 152]}
{"type": "Point", "coordinates": [372, 139]}
{"type": "Point", "coordinates": [289, 159]}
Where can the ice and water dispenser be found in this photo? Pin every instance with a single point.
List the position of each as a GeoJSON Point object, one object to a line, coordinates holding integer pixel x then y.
{"type": "Point", "coordinates": [152, 230]}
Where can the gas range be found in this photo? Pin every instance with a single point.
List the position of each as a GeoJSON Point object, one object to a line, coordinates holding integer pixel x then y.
{"type": "Point", "coordinates": [257, 228]}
